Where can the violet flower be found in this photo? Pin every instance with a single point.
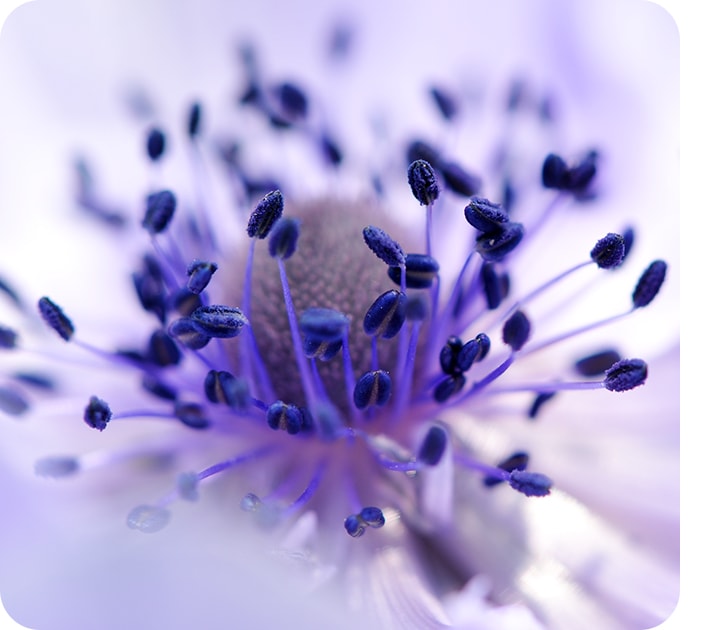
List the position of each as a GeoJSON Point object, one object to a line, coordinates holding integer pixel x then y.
{"type": "Point", "coordinates": [365, 314]}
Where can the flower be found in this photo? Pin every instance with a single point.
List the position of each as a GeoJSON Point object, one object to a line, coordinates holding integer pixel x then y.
{"type": "Point", "coordinates": [387, 407]}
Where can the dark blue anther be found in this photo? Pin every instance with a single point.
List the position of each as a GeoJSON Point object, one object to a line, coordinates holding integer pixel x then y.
{"type": "Point", "coordinates": [283, 238]}
{"type": "Point", "coordinates": [420, 270]}
{"type": "Point", "coordinates": [485, 216]}
{"type": "Point", "coordinates": [35, 379]}
{"type": "Point", "coordinates": [54, 317]}
{"type": "Point", "coordinates": [423, 182]}
{"type": "Point", "coordinates": [11, 293]}
{"type": "Point", "coordinates": [157, 388]}
{"type": "Point", "coordinates": [12, 402]}
{"type": "Point", "coordinates": [159, 210]}
{"type": "Point", "coordinates": [516, 461]}
{"type": "Point", "coordinates": [322, 350]}
{"type": "Point", "coordinates": [580, 176]}
{"type": "Point", "coordinates": [200, 272]}
{"type": "Point", "coordinates": [386, 315]}
{"type": "Point", "coordinates": [449, 354]}
{"type": "Point", "coordinates": [625, 375]}
{"type": "Point", "coordinates": [372, 389]}
{"type": "Point", "coordinates": [97, 413]}
{"type": "Point", "coordinates": [155, 144]}
{"type": "Point", "coordinates": [530, 484]}
{"type": "Point", "coordinates": [597, 363]}
{"type": "Point", "coordinates": [266, 213]}
{"type": "Point", "coordinates": [292, 100]}
{"type": "Point", "coordinates": [433, 446]}
{"type": "Point", "coordinates": [184, 302]}
{"type": "Point", "coordinates": [629, 239]}
{"type": "Point", "coordinates": [539, 401]}
{"type": "Point", "coordinates": [459, 180]}
{"type": "Point", "coordinates": [330, 150]}
{"type": "Point", "coordinates": [150, 288]}
{"type": "Point", "coordinates": [354, 525]}
{"type": "Point", "coordinates": [649, 284]}
{"type": "Point", "coordinates": [219, 321]}
{"type": "Point", "coordinates": [495, 286]}
{"type": "Point", "coordinates": [8, 338]}
{"type": "Point", "coordinates": [494, 246]}
{"type": "Point", "coordinates": [372, 516]}
{"type": "Point", "coordinates": [187, 333]}
{"type": "Point", "coordinates": [473, 351]}
{"type": "Point", "coordinates": [162, 350]}
{"type": "Point", "coordinates": [284, 417]}
{"type": "Point", "coordinates": [416, 308]}
{"type": "Point", "coordinates": [447, 387]}
{"type": "Point", "coordinates": [191, 415]}
{"type": "Point", "coordinates": [385, 248]}
{"type": "Point", "coordinates": [421, 150]}
{"type": "Point", "coordinates": [516, 330]}
{"type": "Point", "coordinates": [609, 251]}
{"type": "Point", "coordinates": [223, 388]}
{"type": "Point", "coordinates": [194, 119]}
{"type": "Point", "coordinates": [323, 324]}
{"type": "Point", "coordinates": [554, 172]}
{"type": "Point", "coordinates": [445, 102]}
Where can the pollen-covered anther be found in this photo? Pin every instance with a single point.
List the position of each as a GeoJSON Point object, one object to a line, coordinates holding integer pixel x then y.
{"type": "Point", "coordinates": [386, 315]}
{"type": "Point", "coordinates": [423, 182]}
{"type": "Point", "coordinates": [649, 284]}
{"type": "Point", "coordinates": [421, 271]}
{"type": "Point", "coordinates": [284, 417]}
{"type": "Point", "coordinates": [159, 210]}
{"type": "Point", "coordinates": [266, 213]}
{"type": "Point", "coordinates": [187, 333]}
{"type": "Point", "coordinates": [495, 246]}
{"type": "Point", "coordinates": [219, 321]}
{"type": "Point", "coordinates": [609, 251]}
{"type": "Point", "coordinates": [97, 413]}
{"type": "Point", "coordinates": [54, 317]}
{"type": "Point", "coordinates": [372, 389]}
{"type": "Point", "coordinates": [433, 446]}
{"type": "Point", "coordinates": [529, 483]}
{"type": "Point", "coordinates": [356, 524]}
{"type": "Point", "coordinates": [284, 238]}
{"type": "Point", "coordinates": [485, 216]}
{"type": "Point", "coordinates": [384, 247]}
{"type": "Point", "coordinates": [516, 330]}
{"type": "Point", "coordinates": [626, 375]}
{"type": "Point", "coordinates": [199, 274]}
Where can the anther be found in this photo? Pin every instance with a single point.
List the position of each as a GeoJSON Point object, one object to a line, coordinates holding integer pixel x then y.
{"type": "Point", "coordinates": [194, 119]}
{"type": "Point", "coordinates": [385, 248]}
{"type": "Point", "coordinates": [625, 375]}
{"type": "Point", "coordinates": [516, 330]}
{"type": "Point", "coordinates": [386, 315]}
{"type": "Point", "coordinates": [284, 417]}
{"type": "Point", "coordinates": [184, 301]}
{"type": "Point", "coordinates": [629, 239]}
{"type": "Point", "coordinates": [609, 251]}
{"type": "Point", "coordinates": [495, 286]}
{"type": "Point", "coordinates": [148, 518]}
{"type": "Point", "coordinates": [162, 350]}
{"type": "Point", "coordinates": [330, 150]}
{"type": "Point", "coordinates": [54, 317]}
{"type": "Point", "coordinates": [529, 483]}
{"type": "Point", "coordinates": [516, 461]}
{"type": "Point", "coordinates": [421, 271]}
{"type": "Point", "coordinates": [423, 182]}
{"type": "Point", "coordinates": [187, 333]}
{"type": "Point", "coordinates": [597, 363]}
{"type": "Point", "coordinates": [157, 388]}
{"type": "Point", "coordinates": [445, 102]}
{"type": "Point", "coordinates": [323, 330]}
{"type": "Point", "coordinates": [219, 321]}
{"type": "Point", "coordinates": [292, 99]}
{"type": "Point", "coordinates": [12, 402]}
{"type": "Point", "coordinates": [485, 216]}
{"type": "Point", "coordinates": [372, 389]}
{"type": "Point", "coordinates": [283, 238]}
{"type": "Point", "coordinates": [159, 211]}
{"type": "Point", "coordinates": [459, 180]}
{"type": "Point", "coordinates": [150, 288]}
{"type": "Point", "coordinates": [554, 172]}
{"type": "Point", "coordinates": [539, 402]}
{"type": "Point", "coordinates": [447, 387]}
{"type": "Point", "coordinates": [473, 351]}
{"type": "Point", "coordinates": [8, 338]}
{"type": "Point", "coordinates": [266, 213]}
{"type": "Point", "coordinates": [200, 272]}
{"type": "Point", "coordinates": [191, 415]}
{"type": "Point", "coordinates": [649, 284]}
{"type": "Point", "coordinates": [433, 446]}
{"type": "Point", "coordinates": [155, 144]}
{"type": "Point", "coordinates": [223, 388]}
{"type": "Point", "coordinates": [97, 413]}
{"type": "Point", "coordinates": [421, 150]}
{"type": "Point", "coordinates": [449, 354]}
{"type": "Point", "coordinates": [370, 516]}
{"type": "Point", "coordinates": [494, 246]}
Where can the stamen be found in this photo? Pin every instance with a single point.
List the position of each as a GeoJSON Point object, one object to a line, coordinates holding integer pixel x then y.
{"type": "Point", "coordinates": [459, 180]}
{"type": "Point", "coordinates": [386, 249]}
{"type": "Point", "coordinates": [372, 389]}
{"type": "Point", "coordinates": [54, 317]}
{"type": "Point", "coordinates": [284, 417]}
{"type": "Point", "coordinates": [386, 315]}
{"type": "Point", "coordinates": [516, 330]}
{"type": "Point", "coordinates": [8, 338]}
{"type": "Point", "coordinates": [194, 120]}
{"type": "Point", "coordinates": [159, 211]}
{"type": "Point", "coordinates": [626, 375]}
{"type": "Point", "coordinates": [539, 401]}
{"type": "Point", "coordinates": [495, 286]}
{"type": "Point", "coordinates": [433, 446]}
{"type": "Point", "coordinates": [355, 524]}
{"type": "Point", "coordinates": [609, 251]}
{"type": "Point", "coordinates": [324, 330]}
{"type": "Point", "coordinates": [162, 350]}
{"type": "Point", "coordinates": [223, 388]}
{"type": "Point", "coordinates": [420, 271]}
{"type": "Point", "coordinates": [529, 483]}
{"type": "Point", "coordinates": [423, 182]}
{"type": "Point", "coordinates": [597, 363]}
{"type": "Point", "coordinates": [447, 104]}
{"type": "Point", "coordinates": [516, 461]}
{"type": "Point", "coordinates": [200, 272]}
{"type": "Point", "coordinates": [266, 213]}
{"type": "Point", "coordinates": [283, 238]}
{"type": "Point", "coordinates": [155, 144]}
{"type": "Point", "coordinates": [219, 321]}
{"type": "Point", "coordinates": [97, 413]}
{"type": "Point", "coordinates": [191, 415]}
{"type": "Point", "coordinates": [186, 332]}
{"type": "Point", "coordinates": [649, 284]}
